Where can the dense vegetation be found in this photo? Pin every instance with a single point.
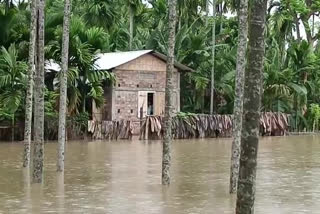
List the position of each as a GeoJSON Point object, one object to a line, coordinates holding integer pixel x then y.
{"type": "Point", "coordinates": [291, 70]}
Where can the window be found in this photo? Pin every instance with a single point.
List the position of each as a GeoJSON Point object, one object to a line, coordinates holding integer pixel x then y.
{"type": "Point", "coordinates": [118, 85]}
{"type": "Point", "coordinates": [138, 86]}
{"type": "Point", "coordinates": [118, 111]}
{"type": "Point", "coordinates": [131, 111]}
{"type": "Point", "coordinates": [150, 86]}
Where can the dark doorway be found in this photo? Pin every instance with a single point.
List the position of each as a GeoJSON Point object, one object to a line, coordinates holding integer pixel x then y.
{"type": "Point", "coordinates": [150, 104]}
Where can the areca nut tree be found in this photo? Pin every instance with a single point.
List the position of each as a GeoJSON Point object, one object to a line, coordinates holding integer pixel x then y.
{"type": "Point", "coordinates": [29, 94]}
{"type": "Point", "coordinates": [239, 86]}
{"type": "Point", "coordinates": [63, 86]}
{"type": "Point", "coordinates": [251, 108]}
{"type": "Point", "coordinates": [166, 144]}
{"type": "Point", "coordinates": [38, 154]}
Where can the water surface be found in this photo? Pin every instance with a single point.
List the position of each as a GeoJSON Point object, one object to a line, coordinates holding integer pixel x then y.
{"type": "Point", "coordinates": [124, 177]}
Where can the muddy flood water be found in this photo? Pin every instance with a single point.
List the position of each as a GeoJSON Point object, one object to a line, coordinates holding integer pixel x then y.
{"type": "Point", "coordinates": [124, 177]}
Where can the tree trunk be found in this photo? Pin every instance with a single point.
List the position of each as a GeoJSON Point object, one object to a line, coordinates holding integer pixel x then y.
{"type": "Point", "coordinates": [221, 17]}
{"type": "Point", "coordinates": [130, 27]}
{"type": "Point", "coordinates": [166, 148]}
{"type": "Point", "coordinates": [251, 108]}
{"type": "Point", "coordinates": [12, 128]}
{"type": "Point", "coordinates": [39, 100]}
{"type": "Point", "coordinates": [239, 87]}
{"type": "Point", "coordinates": [207, 11]}
{"type": "Point", "coordinates": [213, 53]}
{"type": "Point", "coordinates": [63, 86]}
{"type": "Point", "coordinates": [298, 29]}
{"type": "Point", "coordinates": [296, 104]}
{"type": "Point", "coordinates": [179, 20]}
{"type": "Point", "coordinates": [84, 95]}
{"type": "Point", "coordinates": [314, 126]}
{"type": "Point", "coordinates": [312, 31]}
{"type": "Point", "coordinates": [29, 95]}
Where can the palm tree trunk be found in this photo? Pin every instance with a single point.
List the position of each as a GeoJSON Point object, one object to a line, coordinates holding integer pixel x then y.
{"type": "Point", "coordinates": [166, 148]}
{"type": "Point", "coordinates": [84, 102]}
{"type": "Point", "coordinates": [213, 54]}
{"type": "Point", "coordinates": [221, 17]}
{"type": "Point", "coordinates": [298, 29]}
{"type": "Point", "coordinates": [7, 5]}
{"type": "Point", "coordinates": [179, 20]}
{"type": "Point", "coordinates": [312, 31]}
{"type": "Point", "coordinates": [251, 108]}
{"type": "Point", "coordinates": [12, 131]}
{"type": "Point", "coordinates": [39, 100]}
{"type": "Point", "coordinates": [296, 112]}
{"type": "Point", "coordinates": [314, 126]}
{"type": "Point", "coordinates": [207, 11]}
{"type": "Point", "coordinates": [63, 86]}
{"type": "Point", "coordinates": [29, 95]}
{"type": "Point", "coordinates": [130, 26]}
{"type": "Point", "coordinates": [238, 102]}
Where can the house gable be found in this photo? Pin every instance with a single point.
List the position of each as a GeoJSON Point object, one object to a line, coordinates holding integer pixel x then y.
{"type": "Point", "coordinates": [147, 62]}
{"type": "Point", "coordinates": [144, 72]}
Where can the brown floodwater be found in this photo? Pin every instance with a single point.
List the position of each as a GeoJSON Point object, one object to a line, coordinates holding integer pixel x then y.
{"type": "Point", "coordinates": [124, 177]}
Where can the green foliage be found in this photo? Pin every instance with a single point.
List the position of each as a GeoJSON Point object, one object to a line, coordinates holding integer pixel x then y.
{"type": "Point", "coordinates": [84, 81]}
{"type": "Point", "coordinates": [291, 69]}
{"type": "Point", "coordinates": [184, 114]}
{"type": "Point", "coordinates": [80, 120]}
{"type": "Point", "coordinates": [315, 115]}
{"type": "Point", "coordinates": [5, 116]}
{"type": "Point", "coordinates": [315, 111]}
{"type": "Point", "coordinates": [50, 104]}
{"type": "Point", "coordinates": [12, 79]}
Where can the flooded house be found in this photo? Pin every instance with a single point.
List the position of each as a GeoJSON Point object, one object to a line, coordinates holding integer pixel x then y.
{"type": "Point", "coordinates": [139, 89]}
{"type": "Point", "coordinates": [139, 86]}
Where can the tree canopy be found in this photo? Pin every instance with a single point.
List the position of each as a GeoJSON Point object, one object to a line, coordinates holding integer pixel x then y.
{"type": "Point", "coordinates": [291, 70]}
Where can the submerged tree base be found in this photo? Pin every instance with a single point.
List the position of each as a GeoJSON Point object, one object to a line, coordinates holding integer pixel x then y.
{"type": "Point", "coordinates": [38, 158]}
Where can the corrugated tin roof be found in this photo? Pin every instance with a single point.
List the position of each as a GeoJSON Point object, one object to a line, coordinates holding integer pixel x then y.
{"type": "Point", "coordinates": [108, 61]}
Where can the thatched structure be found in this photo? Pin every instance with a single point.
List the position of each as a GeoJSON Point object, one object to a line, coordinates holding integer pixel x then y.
{"type": "Point", "coordinates": [190, 126]}
{"type": "Point", "coordinates": [110, 130]}
{"type": "Point", "coordinates": [274, 124]}
{"type": "Point", "coordinates": [207, 126]}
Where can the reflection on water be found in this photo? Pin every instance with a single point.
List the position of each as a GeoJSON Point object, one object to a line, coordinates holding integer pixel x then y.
{"type": "Point", "coordinates": [124, 177]}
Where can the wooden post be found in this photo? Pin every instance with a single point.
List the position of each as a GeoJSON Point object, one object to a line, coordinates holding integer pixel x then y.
{"type": "Point", "coordinates": [141, 116]}
{"type": "Point", "coordinates": [146, 136]}
{"type": "Point", "coordinates": [141, 121]}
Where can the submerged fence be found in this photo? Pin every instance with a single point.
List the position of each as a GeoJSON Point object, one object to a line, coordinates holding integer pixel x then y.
{"type": "Point", "coordinates": [111, 130]}
{"type": "Point", "coordinates": [191, 126]}
{"type": "Point", "coordinates": [207, 126]}
{"type": "Point", "coordinates": [185, 127]}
